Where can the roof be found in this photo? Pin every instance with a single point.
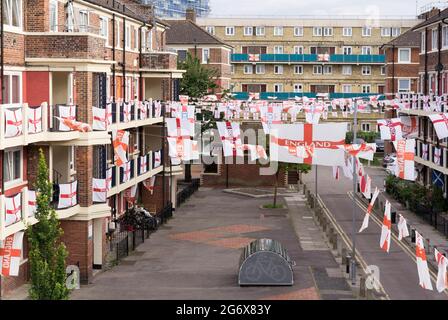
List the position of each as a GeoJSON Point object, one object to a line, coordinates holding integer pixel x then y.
{"type": "Point", "coordinates": [410, 38]}
{"type": "Point", "coordinates": [118, 7]}
{"type": "Point", "coordinates": [188, 32]}
{"type": "Point", "coordinates": [437, 17]}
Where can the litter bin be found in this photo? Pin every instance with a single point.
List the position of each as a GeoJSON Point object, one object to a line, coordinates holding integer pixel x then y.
{"type": "Point", "coordinates": [265, 262]}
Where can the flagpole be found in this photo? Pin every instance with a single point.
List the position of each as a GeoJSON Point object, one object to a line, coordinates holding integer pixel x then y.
{"type": "Point", "coordinates": [315, 186]}
{"type": "Point", "coordinates": [355, 182]}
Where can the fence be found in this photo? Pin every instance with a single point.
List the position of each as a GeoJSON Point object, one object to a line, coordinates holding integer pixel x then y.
{"type": "Point", "coordinates": [187, 191]}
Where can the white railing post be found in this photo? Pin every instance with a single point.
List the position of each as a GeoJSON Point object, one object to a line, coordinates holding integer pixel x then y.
{"type": "Point", "coordinates": [25, 119]}
{"type": "Point", "coordinates": [25, 205]}
{"type": "Point", "coordinates": [2, 217]}
{"type": "Point", "coordinates": [2, 123]}
{"type": "Point", "coordinates": [44, 107]}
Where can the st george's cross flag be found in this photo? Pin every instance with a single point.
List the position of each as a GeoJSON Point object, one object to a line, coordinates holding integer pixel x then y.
{"type": "Point", "coordinates": [120, 143]}
{"type": "Point", "coordinates": [403, 231]}
{"type": "Point", "coordinates": [270, 115]}
{"type": "Point", "coordinates": [386, 229]}
{"type": "Point", "coordinates": [313, 113]}
{"type": "Point", "coordinates": [230, 135]}
{"type": "Point", "coordinates": [187, 112]}
{"type": "Point", "coordinates": [405, 165]}
{"type": "Point", "coordinates": [336, 172]}
{"type": "Point", "coordinates": [390, 129]}
{"type": "Point", "coordinates": [442, 274]}
{"type": "Point", "coordinates": [309, 144]}
{"type": "Point", "coordinates": [422, 263]}
{"type": "Point", "coordinates": [11, 254]}
{"type": "Point", "coordinates": [409, 127]}
{"type": "Point", "coordinates": [440, 122]}
{"type": "Point", "coordinates": [365, 185]}
{"type": "Point", "coordinates": [362, 151]}
{"type": "Point", "coordinates": [179, 140]}
{"type": "Point", "coordinates": [347, 168]}
{"type": "Point", "coordinates": [365, 222]}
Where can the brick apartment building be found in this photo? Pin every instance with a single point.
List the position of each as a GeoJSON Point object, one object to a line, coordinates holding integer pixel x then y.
{"type": "Point", "coordinates": [186, 36]}
{"type": "Point", "coordinates": [74, 59]}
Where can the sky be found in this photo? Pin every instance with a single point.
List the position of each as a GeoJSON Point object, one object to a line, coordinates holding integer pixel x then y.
{"type": "Point", "coordinates": [319, 7]}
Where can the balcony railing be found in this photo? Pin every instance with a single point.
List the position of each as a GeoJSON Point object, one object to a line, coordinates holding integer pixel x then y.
{"type": "Point", "coordinates": [60, 111]}
{"type": "Point", "coordinates": [308, 58]}
{"type": "Point", "coordinates": [292, 95]}
{"type": "Point", "coordinates": [430, 104]}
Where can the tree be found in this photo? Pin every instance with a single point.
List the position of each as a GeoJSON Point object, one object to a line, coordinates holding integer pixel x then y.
{"type": "Point", "coordinates": [198, 80]}
{"type": "Point", "coordinates": [47, 255]}
{"type": "Point", "coordinates": [299, 168]}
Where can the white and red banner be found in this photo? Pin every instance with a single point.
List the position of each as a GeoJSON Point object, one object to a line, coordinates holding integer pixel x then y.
{"type": "Point", "coordinates": [180, 144]}
{"type": "Point", "coordinates": [13, 122]}
{"type": "Point", "coordinates": [405, 165]}
{"type": "Point", "coordinates": [130, 194]}
{"type": "Point", "coordinates": [442, 275]}
{"type": "Point", "coordinates": [270, 115]}
{"type": "Point", "coordinates": [313, 113]}
{"type": "Point", "coordinates": [310, 144]}
{"type": "Point", "coordinates": [157, 159]}
{"type": "Point", "coordinates": [422, 263]}
{"type": "Point", "coordinates": [440, 122]}
{"type": "Point", "coordinates": [13, 206]}
{"type": "Point", "coordinates": [35, 118]}
{"type": "Point", "coordinates": [120, 142]}
{"type": "Point", "coordinates": [126, 171]}
{"type": "Point", "coordinates": [99, 190]}
{"type": "Point", "coordinates": [403, 231]}
{"type": "Point", "coordinates": [143, 164]}
{"type": "Point", "coordinates": [126, 109]}
{"type": "Point", "coordinates": [32, 203]}
{"type": "Point", "coordinates": [365, 185]}
{"type": "Point", "coordinates": [390, 129]}
{"type": "Point", "coordinates": [99, 119]}
{"type": "Point", "coordinates": [365, 222]}
{"type": "Point", "coordinates": [230, 135]}
{"type": "Point", "coordinates": [409, 127]}
{"type": "Point", "coordinates": [437, 156]}
{"type": "Point", "coordinates": [11, 254]}
{"type": "Point", "coordinates": [256, 152]}
{"type": "Point", "coordinates": [386, 229]}
{"type": "Point", "coordinates": [74, 125]}
{"type": "Point", "coordinates": [188, 113]}
{"type": "Point", "coordinates": [68, 195]}
{"type": "Point", "coordinates": [66, 113]}
{"type": "Point", "coordinates": [336, 173]}
{"type": "Point", "coordinates": [363, 151]}
{"type": "Point", "coordinates": [109, 178]}
{"type": "Point", "coordinates": [150, 183]}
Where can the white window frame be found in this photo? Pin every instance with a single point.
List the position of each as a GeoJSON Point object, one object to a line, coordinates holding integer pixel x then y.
{"type": "Point", "coordinates": [366, 126]}
{"type": "Point", "coordinates": [408, 89]}
{"type": "Point", "coordinates": [385, 32]}
{"type": "Point", "coordinates": [423, 42]}
{"type": "Point", "coordinates": [230, 31]}
{"type": "Point", "coordinates": [277, 51]}
{"type": "Point", "coordinates": [104, 28]}
{"type": "Point", "coordinates": [128, 37]}
{"type": "Point", "coordinates": [19, 8]}
{"type": "Point", "coordinates": [366, 50]}
{"type": "Point", "coordinates": [444, 37]}
{"type": "Point", "coordinates": [260, 31]}
{"type": "Point", "coordinates": [434, 40]}
{"type": "Point", "coordinates": [298, 69]}
{"type": "Point", "coordinates": [118, 44]}
{"type": "Point", "coordinates": [366, 70]}
{"type": "Point", "coordinates": [317, 31]}
{"type": "Point", "coordinates": [383, 70]}
{"type": "Point", "coordinates": [247, 67]}
{"type": "Point", "coordinates": [345, 68]}
{"type": "Point", "coordinates": [260, 69]}
{"type": "Point", "coordinates": [298, 49]}
{"type": "Point", "coordinates": [296, 88]}
{"type": "Point", "coordinates": [366, 88]}
{"type": "Point", "coordinates": [396, 31]}
{"type": "Point", "coordinates": [210, 29]}
{"type": "Point", "coordinates": [347, 86]}
{"type": "Point", "coordinates": [14, 182]}
{"type": "Point", "coordinates": [348, 48]}
{"type": "Point", "coordinates": [366, 31]}
{"type": "Point", "coordinates": [278, 31]}
{"type": "Point", "coordinates": [82, 27]}
{"type": "Point", "coordinates": [400, 50]}
{"type": "Point", "coordinates": [298, 31]}
{"type": "Point", "coordinates": [317, 67]}
{"type": "Point", "coordinates": [10, 74]}
{"type": "Point", "coordinates": [232, 69]}
{"type": "Point", "coordinates": [205, 55]}
{"type": "Point", "coordinates": [347, 32]}
{"type": "Point", "coordinates": [327, 31]}
{"type": "Point", "coordinates": [53, 4]}
{"type": "Point", "coordinates": [248, 34]}
{"type": "Point", "coordinates": [327, 69]}
{"type": "Point", "coordinates": [278, 87]}
{"type": "Point", "coordinates": [278, 69]}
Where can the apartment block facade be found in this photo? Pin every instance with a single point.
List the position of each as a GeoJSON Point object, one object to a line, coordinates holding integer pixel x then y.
{"type": "Point", "coordinates": [285, 58]}
{"type": "Point", "coordinates": [176, 8]}
{"type": "Point", "coordinates": [89, 61]}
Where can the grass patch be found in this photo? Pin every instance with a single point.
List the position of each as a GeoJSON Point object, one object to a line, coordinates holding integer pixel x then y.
{"type": "Point", "coordinates": [271, 206]}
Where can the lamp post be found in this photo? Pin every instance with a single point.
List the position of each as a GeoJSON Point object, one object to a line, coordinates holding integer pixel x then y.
{"type": "Point", "coordinates": [353, 261]}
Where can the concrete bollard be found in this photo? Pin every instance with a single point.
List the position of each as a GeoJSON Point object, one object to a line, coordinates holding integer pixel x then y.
{"type": "Point", "coordinates": [334, 241]}
{"type": "Point", "coordinates": [362, 287]}
{"type": "Point", "coordinates": [344, 256]}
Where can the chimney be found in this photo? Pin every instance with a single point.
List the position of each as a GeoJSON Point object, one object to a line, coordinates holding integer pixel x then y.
{"type": "Point", "coordinates": [429, 14]}
{"type": "Point", "coordinates": [190, 14]}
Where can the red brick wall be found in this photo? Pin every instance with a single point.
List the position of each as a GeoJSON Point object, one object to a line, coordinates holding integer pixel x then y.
{"type": "Point", "coordinates": [37, 15]}
{"type": "Point", "coordinates": [156, 198]}
{"type": "Point", "coordinates": [14, 48]}
{"type": "Point", "coordinates": [33, 162]}
{"type": "Point", "coordinates": [84, 174]}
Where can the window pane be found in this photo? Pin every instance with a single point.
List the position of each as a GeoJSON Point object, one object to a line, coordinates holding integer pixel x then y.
{"type": "Point", "coordinates": [15, 93]}
{"type": "Point", "coordinates": [16, 164]}
{"type": "Point", "coordinates": [6, 98]}
{"type": "Point", "coordinates": [6, 10]}
{"type": "Point", "coordinates": [16, 12]}
{"type": "Point", "coordinates": [8, 166]}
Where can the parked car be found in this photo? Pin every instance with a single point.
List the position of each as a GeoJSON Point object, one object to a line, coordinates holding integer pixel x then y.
{"type": "Point", "coordinates": [379, 145]}
{"type": "Point", "coordinates": [389, 159]}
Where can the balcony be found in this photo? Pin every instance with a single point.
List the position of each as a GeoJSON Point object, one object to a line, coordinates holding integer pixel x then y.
{"type": "Point", "coordinates": [308, 58]}
{"type": "Point", "coordinates": [159, 61]}
{"type": "Point", "coordinates": [292, 95]}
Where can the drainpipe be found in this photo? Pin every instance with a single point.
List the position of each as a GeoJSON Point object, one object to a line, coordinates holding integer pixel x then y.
{"type": "Point", "coordinates": [393, 69]}
{"type": "Point", "coordinates": [140, 63]}
{"type": "Point", "coordinates": [439, 66]}
{"type": "Point", "coordinates": [123, 61]}
{"type": "Point", "coordinates": [113, 56]}
{"type": "Point", "coordinates": [425, 89]}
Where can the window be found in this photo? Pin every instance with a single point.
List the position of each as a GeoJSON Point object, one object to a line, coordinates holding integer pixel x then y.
{"type": "Point", "coordinates": [298, 31]}
{"type": "Point", "coordinates": [298, 88]}
{"type": "Point", "coordinates": [278, 50]}
{"type": "Point", "coordinates": [365, 127]}
{"type": "Point", "coordinates": [248, 69]}
{"type": "Point", "coordinates": [260, 69]}
{"type": "Point", "coordinates": [366, 70]}
{"type": "Point", "coordinates": [118, 35]}
{"type": "Point", "coordinates": [347, 31]}
{"type": "Point", "coordinates": [278, 31]}
{"type": "Point", "coordinates": [347, 50]}
{"type": "Point", "coordinates": [434, 39]}
{"type": "Point", "coordinates": [135, 38]}
{"type": "Point", "coordinates": [298, 49]}
{"type": "Point", "coordinates": [232, 69]}
{"type": "Point", "coordinates": [423, 43]}
{"type": "Point", "coordinates": [205, 55]}
{"type": "Point", "coordinates": [182, 55]}
{"type": "Point", "coordinates": [278, 69]}
{"type": "Point", "coordinates": [317, 69]}
{"type": "Point", "coordinates": [230, 31]}
{"type": "Point", "coordinates": [396, 32]}
{"type": "Point", "coordinates": [328, 32]}
{"type": "Point", "coordinates": [366, 31]}
{"type": "Point", "coordinates": [366, 50]}
{"type": "Point", "coordinates": [404, 55]}
{"type": "Point", "coordinates": [347, 70]}
{"type": "Point", "coordinates": [278, 87]}
{"type": "Point", "coordinates": [13, 166]}
{"type": "Point", "coordinates": [298, 69]}
{"type": "Point", "coordinates": [383, 70]}
{"type": "Point", "coordinates": [366, 88]}
{"type": "Point", "coordinates": [104, 32]}
{"type": "Point", "coordinates": [317, 31]}
{"type": "Point", "coordinates": [259, 31]}
{"type": "Point", "coordinates": [328, 69]}
{"type": "Point", "coordinates": [210, 29]}
{"type": "Point", "coordinates": [346, 88]}
{"type": "Point", "coordinates": [445, 37]}
{"type": "Point", "coordinates": [83, 21]}
{"type": "Point", "coordinates": [128, 37]}
{"type": "Point", "coordinates": [385, 32]}
{"type": "Point", "coordinates": [13, 88]}
{"type": "Point", "coordinates": [149, 41]}
{"type": "Point", "coordinates": [404, 85]}
{"type": "Point", "coordinates": [12, 13]}
{"type": "Point", "coordinates": [53, 16]}
{"type": "Point", "coordinates": [248, 31]}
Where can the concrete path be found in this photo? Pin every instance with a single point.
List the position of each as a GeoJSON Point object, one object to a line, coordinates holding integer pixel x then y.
{"type": "Point", "coordinates": [195, 256]}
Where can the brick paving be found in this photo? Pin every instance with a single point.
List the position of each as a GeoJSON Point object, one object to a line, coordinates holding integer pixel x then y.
{"type": "Point", "coordinates": [196, 255]}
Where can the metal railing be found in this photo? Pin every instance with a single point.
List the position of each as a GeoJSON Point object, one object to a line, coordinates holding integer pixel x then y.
{"type": "Point", "coordinates": [304, 58]}
{"type": "Point", "coordinates": [184, 194]}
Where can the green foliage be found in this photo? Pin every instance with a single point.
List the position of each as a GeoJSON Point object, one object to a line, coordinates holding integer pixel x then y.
{"type": "Point", "coordinates": [271, 206]}
{"type": "Point", "coordinates": [198, 79]}
{"type": "Point", "coordinates": [367, 136]}
{"type": "Point", "coordinates": [47, 255]}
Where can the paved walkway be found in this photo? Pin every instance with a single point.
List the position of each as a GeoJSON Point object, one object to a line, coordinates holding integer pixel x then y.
{"type": "Point", "coordinates": [196, 255]}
